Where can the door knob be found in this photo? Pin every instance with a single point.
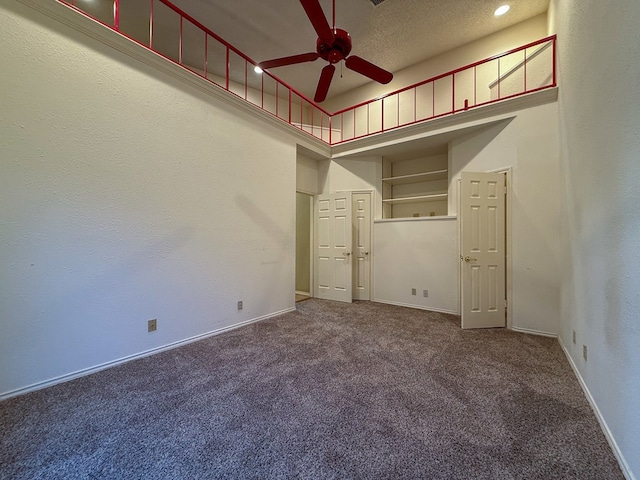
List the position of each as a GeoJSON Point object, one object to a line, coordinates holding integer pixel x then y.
{"type": "Point", "coordinates": [468, 259]}
{"type": "Point", "coordinates": [346, 254]}
{"type": "Point", "coordinates": [366, 253]}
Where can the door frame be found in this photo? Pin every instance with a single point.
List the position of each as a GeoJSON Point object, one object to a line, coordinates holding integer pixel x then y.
{"type": "Point", "coordinates": [508, 270]}
{"type": "Point", "coordinates": [312, 243]}
{"type": "Point", "coordinates": [371, 192]}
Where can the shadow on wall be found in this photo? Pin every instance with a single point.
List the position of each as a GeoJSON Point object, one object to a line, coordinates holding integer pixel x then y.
{"type": "Point", "coordinates": [277, 250]}
{"type": "Point", "coordinates": [467, 148]}
{"type": "Point", "coordinates": [262, 219]}
{"type": "Point", "coordinates": [472, 144]}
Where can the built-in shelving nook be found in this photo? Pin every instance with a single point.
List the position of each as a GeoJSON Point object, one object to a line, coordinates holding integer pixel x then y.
{"type": "Point", "coordinates": [415, 186]}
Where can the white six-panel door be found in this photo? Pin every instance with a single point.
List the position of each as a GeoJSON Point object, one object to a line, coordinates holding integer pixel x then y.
{"type": "Point", "coordinates": [334, 247]}
{"type": "Point", "coordinates": [482, 251]}
{"type": "Point", "coordinates": [362, 246]}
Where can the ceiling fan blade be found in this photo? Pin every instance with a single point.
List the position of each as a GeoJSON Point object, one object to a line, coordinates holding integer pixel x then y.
{"type": "Point", "coordinates": [318, 20]}
{"type": "Point", "coordinates": [293, 59]}
{"type": "Point", "coordinates": [368, 69]}
{"type": "Point", "coordinates": [324, 83]}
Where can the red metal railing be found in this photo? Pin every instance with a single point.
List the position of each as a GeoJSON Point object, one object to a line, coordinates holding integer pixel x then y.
{"type": "Point", "coordinates": [525, 69]}
{"type": "Point", "coordinates": [162, 27]}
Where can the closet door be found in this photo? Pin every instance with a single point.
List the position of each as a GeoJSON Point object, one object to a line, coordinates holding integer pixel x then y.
{"type": "Point", "coordinates": [482, 252]}
{"type": "Point", "coordinates": [334, 247]}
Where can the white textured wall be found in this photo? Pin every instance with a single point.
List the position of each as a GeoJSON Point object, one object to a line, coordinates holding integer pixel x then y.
{"type": "Point", "coordinates": [357, 173]}
{"type": "Point", "coordinates": [307, 175]}
{"type": "Point", "coordinates": [420, 254]}
{"type": "Point", "coordinates": [528, 144]}
{"type": "Point", "coordinates": [424, 254]}
{"type": "Point", "coordinates": [124, 196]}
{"type": "Point", "coordinates": [599, 105]}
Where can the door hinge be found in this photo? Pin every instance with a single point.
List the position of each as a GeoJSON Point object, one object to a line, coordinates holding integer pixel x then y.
{"type": "Point", "coordinates": [505, 304]}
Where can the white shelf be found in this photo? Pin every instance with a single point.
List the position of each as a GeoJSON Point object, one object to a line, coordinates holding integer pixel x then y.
{"type": "Point", "coordinates": [415, 219]}
{"type": "Point", "coordinates": [421, 198]}
{"type": "Point", "coordinates": [417, 177]}
{"type": "Point", "coordinates": [415, 187]}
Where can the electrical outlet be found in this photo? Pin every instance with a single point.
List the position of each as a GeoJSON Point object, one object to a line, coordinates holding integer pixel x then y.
{"type": "Point", "coordinates": [152, 325]}
{"type": "Point", "coordinates": [425, 293]}
{"type": "Point", "coordinates": [574, 337]}
{"type": "Point", "coordinates": [413, 291]}
{"type": "Point", "coordinates": [239, 304]}
{"type": "Point", "coordinates": [584, 352]}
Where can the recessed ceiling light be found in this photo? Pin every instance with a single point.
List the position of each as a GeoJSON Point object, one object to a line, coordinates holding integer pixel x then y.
{"type": "Point", "coordinates": [501, 10]}
{"type": "Point", "coordinates": [257, 69]}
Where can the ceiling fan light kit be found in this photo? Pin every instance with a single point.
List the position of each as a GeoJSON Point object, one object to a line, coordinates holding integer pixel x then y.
{"type": "Point", "coordinates": [333, 45]}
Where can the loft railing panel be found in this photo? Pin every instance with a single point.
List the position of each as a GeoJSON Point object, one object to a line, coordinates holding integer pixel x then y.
{"type": "Point", "coordinates": [424, 101]}
{"type": "Point", "coordinates": [283, 102]}
{"type": "Point", "coordinates": [238, 72]}
{"type": "Point", "coordinates": [193, 47]}
{"type": "Point", "coordinates": [134, 20]}
{"type": "Point", "coordinates": [216, 58]}
{"type": "Point", "coordinates": [443, 95]}
{"type": "Point", "coordinates": [538, 73]}
{"type": "Point", "coordinates": [464, 87]}
{"type": "Point", "coordinates": [166, 31]}
{"type": "Point", "coordinates": [269, 94]}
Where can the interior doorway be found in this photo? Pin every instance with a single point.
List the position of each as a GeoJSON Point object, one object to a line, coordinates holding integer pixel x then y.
{"type": "Point", "coordinates": [304, 246]}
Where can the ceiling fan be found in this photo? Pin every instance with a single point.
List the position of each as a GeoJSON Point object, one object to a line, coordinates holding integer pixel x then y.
{"type": "Point", "coordinates": [333, 45]}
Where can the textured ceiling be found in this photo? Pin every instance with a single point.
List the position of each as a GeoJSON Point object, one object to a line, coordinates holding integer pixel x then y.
{"type": "Point", "coordinates": [394, 35]}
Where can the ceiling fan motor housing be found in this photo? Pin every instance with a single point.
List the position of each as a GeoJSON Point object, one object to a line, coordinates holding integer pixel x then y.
{"type": "Point", "coordinates": [338, 49]}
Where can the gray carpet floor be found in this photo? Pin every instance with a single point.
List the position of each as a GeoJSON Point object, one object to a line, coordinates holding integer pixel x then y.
{"type": "Point", "coordinates": [331, 391]}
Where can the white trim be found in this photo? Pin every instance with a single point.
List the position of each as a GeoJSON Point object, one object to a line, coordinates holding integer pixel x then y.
{"type": "Point", "coordinates": [624, 466]}
{"type": "Point", "coordinates": [533, 332]}
{"type": "Point", "coordinates": [104, 366]}
{"type": "Point", "coordinates": [419, 307]}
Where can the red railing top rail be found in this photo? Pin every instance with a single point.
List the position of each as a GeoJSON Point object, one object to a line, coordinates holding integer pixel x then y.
{"type": "Point", "coordinates": [447, 74]}
{"type": "Point", "coordinates": [238, 52]}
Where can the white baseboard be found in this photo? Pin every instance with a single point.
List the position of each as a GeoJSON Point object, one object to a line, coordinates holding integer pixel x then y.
{"type": "Point", "coordinates": [624, 466]}
{"type": "Point", "coordinates": [534, 332]}
{"type": "Point", "coordinates": [419, 307]}
{"type": "Point", "coordinates": [104, 366]}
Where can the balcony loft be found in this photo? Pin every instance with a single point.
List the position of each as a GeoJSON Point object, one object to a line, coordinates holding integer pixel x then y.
{"type": "Point", "coordinates": [203, 55]}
